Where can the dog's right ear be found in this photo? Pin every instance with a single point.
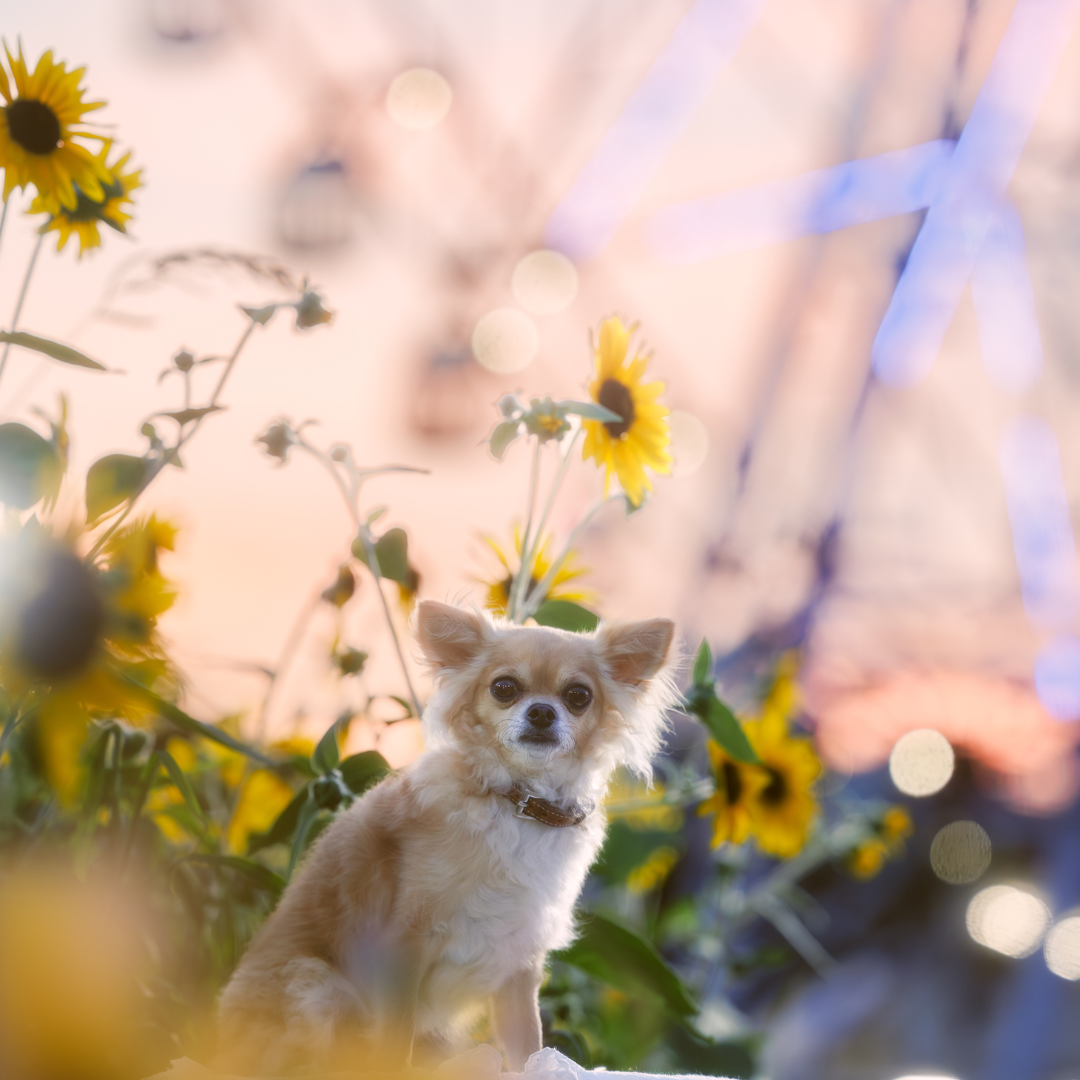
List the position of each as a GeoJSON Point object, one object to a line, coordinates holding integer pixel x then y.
{"type": "Point", "coordinates": [449, 636]}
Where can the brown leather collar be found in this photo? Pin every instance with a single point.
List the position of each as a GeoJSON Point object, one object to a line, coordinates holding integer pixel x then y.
{"type": "Point", "coordinates": [547, 813]}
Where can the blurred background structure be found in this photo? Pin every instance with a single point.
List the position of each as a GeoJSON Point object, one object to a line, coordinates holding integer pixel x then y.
{"type": "Point", "coordinates": [849, 232]}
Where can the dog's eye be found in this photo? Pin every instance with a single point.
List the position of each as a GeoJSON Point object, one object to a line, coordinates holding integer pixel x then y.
{"type": "Point", "coordinates": [578, 697]}
{"type": "Point", "coordinates": [504, 689]}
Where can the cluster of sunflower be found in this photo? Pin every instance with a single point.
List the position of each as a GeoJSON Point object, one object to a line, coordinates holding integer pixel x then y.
{"type": "Point", "coordinates": [43, 140]}
{"type": "Point", "coordinates": [625, 431]}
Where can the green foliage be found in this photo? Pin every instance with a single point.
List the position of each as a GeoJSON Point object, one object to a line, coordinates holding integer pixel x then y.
{"type": "Point", "coordinates": [111, 480]}
{"type": "Point", "coordinates": [30, 466]}
{"type": "Point", "coordinates": [566, 615]}
{"type": "Point", "coordinates": [701, 701]}
{"type": "Point", "coordinates": [53, 349]}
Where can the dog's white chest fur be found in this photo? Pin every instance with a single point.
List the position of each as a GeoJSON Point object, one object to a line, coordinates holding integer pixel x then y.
{"type": "Point", "coordinates": [516, 882]}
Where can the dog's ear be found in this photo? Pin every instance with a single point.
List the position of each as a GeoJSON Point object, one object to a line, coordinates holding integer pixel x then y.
{"type": "Point", "coordinates": [449, 636]}
{"type": "Point", "coordinates": [636, 651]}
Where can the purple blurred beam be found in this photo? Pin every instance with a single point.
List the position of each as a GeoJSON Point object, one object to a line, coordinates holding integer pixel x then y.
{"type": "Point", "coordinates": [1005, 303]}
{"type": "Point", "coordinates": [641, 137]}
{"type": "Point", "coordinates": [1038, 506]}
{"type": "Point", "coordinates": [815, 202]}
{"type": "Point", "coordinates": [965, 208]}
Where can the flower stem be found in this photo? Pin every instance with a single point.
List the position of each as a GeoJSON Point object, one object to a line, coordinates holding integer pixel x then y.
{"type": "Point", "coordinates": [529, 554]}
{"type": "Point", "coordinates": [536, 597]}
{"type": "Point", "coordinates": [364, 535]}
{"type": "Point", "coordinates": [285, 659]}
{"type": "Point", "coordinates": [22, 297]}
{"type": "Point", "coordinates": [519, 587]}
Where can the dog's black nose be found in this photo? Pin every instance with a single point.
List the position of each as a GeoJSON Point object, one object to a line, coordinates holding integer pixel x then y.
{"type": "Point", "coordinates": [540, 715]}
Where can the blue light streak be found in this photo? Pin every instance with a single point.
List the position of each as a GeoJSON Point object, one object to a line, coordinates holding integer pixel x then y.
{"type": "Point", "coordinates": [658, 110]}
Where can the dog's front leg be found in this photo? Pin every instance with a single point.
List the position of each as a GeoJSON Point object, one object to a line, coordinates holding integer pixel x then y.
{"type": "Point", "coordinates": [516, 1016]}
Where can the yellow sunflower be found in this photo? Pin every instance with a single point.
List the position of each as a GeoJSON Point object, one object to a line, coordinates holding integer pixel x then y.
{"type": "Point", "coordinates": [38, 128]}
{"type": "Point", "coordinates": [737, 786]}
{"type": "Point", "coordinates": [83, 219]}
{"type": "Point", "coordinates": [887, 842]}
{"type": "Point", "coordinates": [498, 591]}
{"type": "Point", "coordinates": [784, 808]}
{"type": "Point", "coordinates": [641, 438]}
{"type": "Point", "coordinates": [72, 635]}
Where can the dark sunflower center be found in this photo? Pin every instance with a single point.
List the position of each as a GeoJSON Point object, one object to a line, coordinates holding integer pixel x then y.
{"type": "Point", "coordinates": [33, 125]}
{"type": "Point", "coordinates": [616, 396]}
{"type": "Point", "coordinates": [733, 784]}
{"type": "Point", "coordinates": [59, 626]}
{"type": "Point", "coordinates": [776, 790]}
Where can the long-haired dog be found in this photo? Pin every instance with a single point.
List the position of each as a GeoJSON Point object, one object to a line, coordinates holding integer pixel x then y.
{"type": "Point", "coordinates": [442, 890]}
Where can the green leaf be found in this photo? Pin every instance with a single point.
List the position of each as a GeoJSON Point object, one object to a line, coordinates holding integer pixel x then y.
{"type": "Point", "coordinates": [111, 480]}
{"type": "Point", "coordinates": [260, 315]}
{"type": "Point", "coordinates": [30, 466]}
{"type": "Point", "coordinates": [622, 958]}
{"type": "Point", "coordinates": [183, 785]}
{"type": "Point", "coordinates": [185, 416]}
{"type": "Point", "coordinates": [64, 353]}
{"type": "Point", "coordinates": [590, 410]}
{"type": "Point", "coordinates": [328, 753]}
{"type": "Point", "coordinates": [703, 664]}
{"type": "Point", "coordinates": [721, 723]}
{"type": "Point", "coordinates": [503, 435]}
{"type": "Point", "coordinates": [566, 615]}
{"type": "Point", "coordinates": [281, 832]}
{"type": "Point", "coordinates": [392, 551]}
{"type": "Point", "coordinates": [405, 704]}
{"type": "Point", "coordinates": [364, 770]}
{"type": "Point", "coordinates": [192, 726]}
{"type": "Point", "coordinates": [306, 818]}
{"type": "Point", "coordinates": [262, 876]}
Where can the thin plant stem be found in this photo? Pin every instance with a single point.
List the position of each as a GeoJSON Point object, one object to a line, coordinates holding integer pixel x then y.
{"type": "Point", "coordinates": [372, 562]}
{"type": "Point", "coordinates": [536, 597]}
{"type": "Point", "coordinates": [22, 297]}
{"type": "Point", "coordinates": [285, 659]}
{"type": "Point", "coordinates": [158, 466]}
{"type": "Point", "coordinates": [3, 217]}
{"type": "Point", "coordinates": [519, 586]}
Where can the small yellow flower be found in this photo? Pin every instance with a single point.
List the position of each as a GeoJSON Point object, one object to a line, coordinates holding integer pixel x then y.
{"type": "Point", "coordinates": [83, 218]}
{"type": "Point", "coordinates": [785, 807]}
{"type": "Point", "coordinates": [867, 859]}
{"type": "Point", "coordinates": [641, 438]}
{"type": "Point", "coordinates": [654, 871]}
{"type": "Point", "coordinates": [896, 825]}
{"type": "Point", "coordinates": [642, 808]}
{"type": "Point", "coordinates": [263, 798]}
{"type": "Point", "coordinates": [38, 128]}
{"type": "Point", "coordinates": [498, 591]}
{"type": "Point", "coordinates": [737, 786]}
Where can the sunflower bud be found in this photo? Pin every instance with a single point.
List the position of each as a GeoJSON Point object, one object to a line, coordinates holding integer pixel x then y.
{"type": "Point", "coordinates": [546, 419]}
{"type": "Point", "coordinates": [184, 360]}
{"type": "Point", "coordinates": [339, 453]}
{"type": "Point", "coordinates": [341, 591]}
{"type": "Point", "coordinates": [277, 440]}
{"type": "Point", "coordinates": [310, 311]}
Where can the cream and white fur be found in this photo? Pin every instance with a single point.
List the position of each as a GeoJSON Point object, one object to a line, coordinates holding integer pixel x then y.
{"type": "Point", "coordinates": [431, 898]}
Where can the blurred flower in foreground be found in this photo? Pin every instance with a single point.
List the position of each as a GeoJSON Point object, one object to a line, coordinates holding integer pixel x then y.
{"type": "Point", "coordinates": [38, 128]}
{"type": "Point", "coordinates": [654, 871]}
{"type": "Point", "coordinates": [737, 786]}
{"type": "Point", "coordinates": [641, 438]}
{"type": "Point", "coordinates": [645, 808]}
{"type": "Point", "coordinates": [263, 798]}
{"type": "Point", "coordinates": [82, 219]}
{"type": "Point", "coordinates": [78, 640]}
{"type": "Point", "coordinates": [887, 842]}
{"type": "Point", "coordinates": [277, 440]}
{"type": "Point", "coordinates": [498, 592]}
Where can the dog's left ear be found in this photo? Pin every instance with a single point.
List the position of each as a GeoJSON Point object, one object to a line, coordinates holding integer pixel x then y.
{"type": "Point", "coordinates": [636, 651]}
{"type": "Point", "coordinates": [449, 636]}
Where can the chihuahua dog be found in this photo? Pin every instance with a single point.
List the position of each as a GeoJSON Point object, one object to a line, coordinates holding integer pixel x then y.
{"type": "Point", "coordinates": [442, 890]}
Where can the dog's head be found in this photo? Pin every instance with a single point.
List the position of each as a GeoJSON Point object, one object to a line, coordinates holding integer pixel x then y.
{"type": "Point", "coordinates": [547, 704]}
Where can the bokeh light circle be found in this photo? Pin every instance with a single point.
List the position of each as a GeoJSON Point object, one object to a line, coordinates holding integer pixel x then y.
{"type": "Point", "coordinates": [921, 762]}
{"type": "Point", "coordinates": [960, 853]}
{"type": "Point", "coordinates": [1008, 920]}
{"type": "Point", "coordinates": [419, 99]}
{"type": "Point", "coordinates": [505, 340]}
{"type": "Point", "coordinates": [689, 442]}
{"type": "Point", "coordinates": [1062, 948]}
{"type": "Point", "coordinates": [544, 282]}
